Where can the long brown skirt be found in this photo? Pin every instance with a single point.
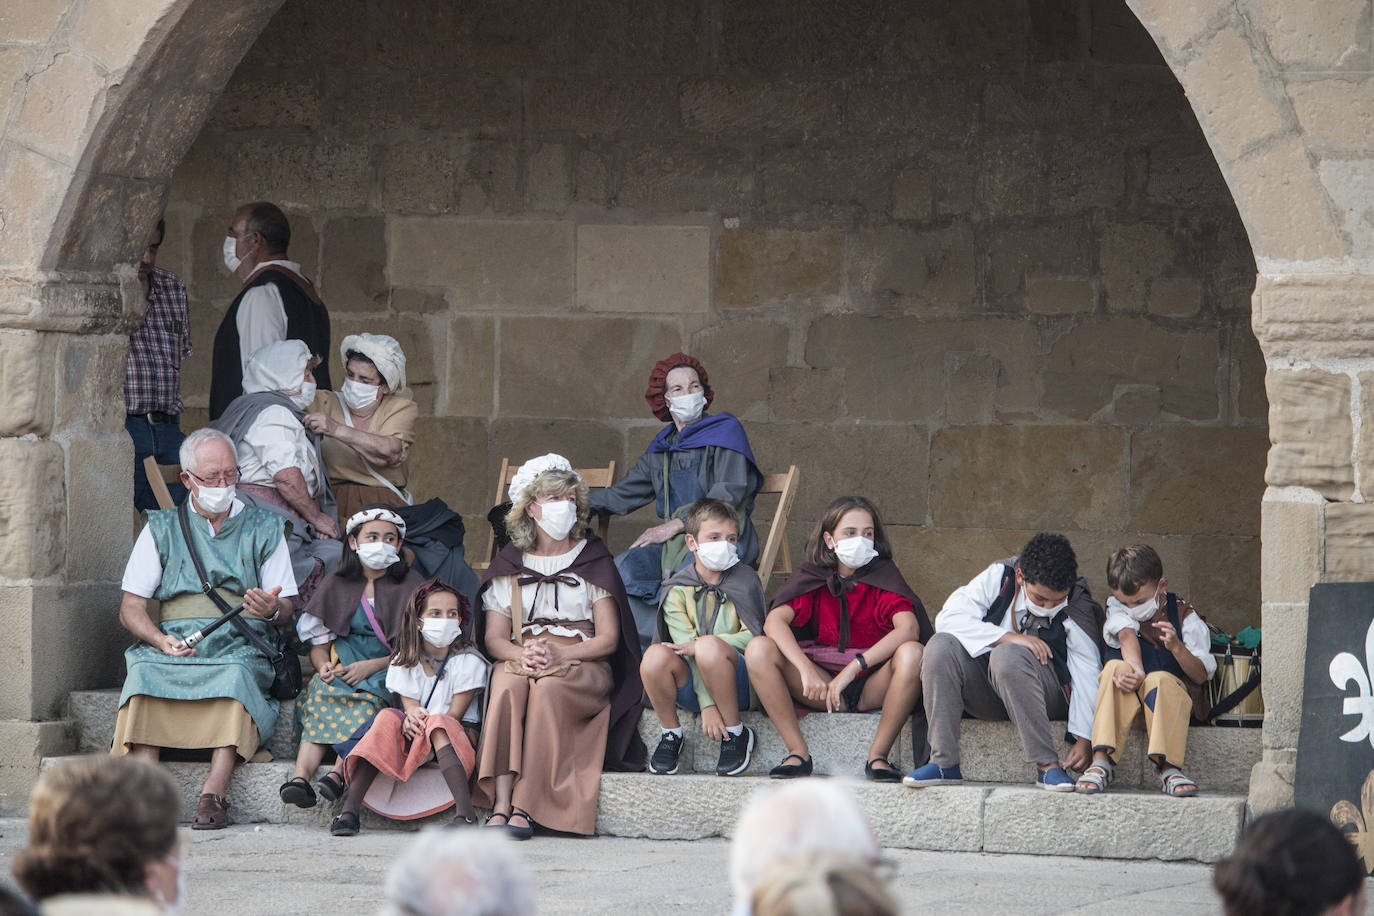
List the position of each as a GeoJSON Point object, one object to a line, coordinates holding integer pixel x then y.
{"type": "Point", "coordinates": [551, 734]}
{"type": "Point", "coordinates": [192, 724]}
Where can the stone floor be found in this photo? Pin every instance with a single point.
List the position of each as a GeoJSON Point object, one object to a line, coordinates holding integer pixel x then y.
{"type": "Point", "coordinates": [288, 869]}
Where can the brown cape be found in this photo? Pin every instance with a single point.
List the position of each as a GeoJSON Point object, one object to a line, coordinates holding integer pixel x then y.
{"type": "Point", "coordinates": [336, 600]}
{"type": "Point", "coordinates": [740, 584]}
{"type": "Point", "coordinates": [625, 750]}
{"type": "Point", "coordinates": [880, 573]}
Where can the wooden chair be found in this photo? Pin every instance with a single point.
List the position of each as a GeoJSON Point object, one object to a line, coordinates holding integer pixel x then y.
{"type": "Point", "coordinates": [785, 486]}
{"type": "Point", "coordinates": [159, 476]}
{"type": "Point", "coordinates": [595, 478]}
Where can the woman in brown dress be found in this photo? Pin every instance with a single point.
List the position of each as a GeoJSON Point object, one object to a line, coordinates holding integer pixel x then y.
{"type": "Point", "coordinates": [565, 687]}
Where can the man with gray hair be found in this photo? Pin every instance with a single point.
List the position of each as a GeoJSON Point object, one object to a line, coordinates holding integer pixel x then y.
{"type": "Point", "coordinates": [276, 302]}
{"type": "Point", "coordinates": [216, 694]}
{"type": "Point", "coordinates": [459, 873]}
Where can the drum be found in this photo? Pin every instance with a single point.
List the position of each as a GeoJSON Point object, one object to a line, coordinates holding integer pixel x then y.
{"type": "Point", "coordinates": [1235, 688]}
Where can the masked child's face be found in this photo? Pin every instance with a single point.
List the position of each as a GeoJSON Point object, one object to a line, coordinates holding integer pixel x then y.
{"type": "Point", "coordinates": [1145, 594]}
{"type": "Point", "coordinates": [714, 529]}
{"type": "Point", "coordinates": [441, 605]}
{"type": "Point", "coordinates": [378, 532]}
{"type": "Point", "coordinates": [856, 523]}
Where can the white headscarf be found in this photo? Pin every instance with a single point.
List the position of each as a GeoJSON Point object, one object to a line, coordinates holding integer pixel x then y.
{"type": "Point", "coordinates": [278, 366]}
{"type": "Point", "coordinates": [385, 354]}
{"type": "Point", "coordinates": [532, 469]}
{"type": "Point", "coordinates": [363, 516]}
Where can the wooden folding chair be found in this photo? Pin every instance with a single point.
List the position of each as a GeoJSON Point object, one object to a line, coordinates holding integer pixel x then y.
{"type": "Point", "coordinates": [595, 478]}
{"type": "Point", "coordinates": [159, 476]}
{"type": "Point", "coordinates": [785, 485]}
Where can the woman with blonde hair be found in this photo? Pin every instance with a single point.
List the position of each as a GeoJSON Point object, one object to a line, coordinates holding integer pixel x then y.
{"type": "Point", "coordinates": [565, 690]}
{"type": "Point", "coordinates": [103, 826]}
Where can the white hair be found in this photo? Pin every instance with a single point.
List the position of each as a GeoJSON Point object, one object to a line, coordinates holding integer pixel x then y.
{"type": "Point", "coordinates": [459, 873]}
{"type": "Point", "coordinates": [187, 454]}
{"type": "Point", "coordinates": [808, 815]}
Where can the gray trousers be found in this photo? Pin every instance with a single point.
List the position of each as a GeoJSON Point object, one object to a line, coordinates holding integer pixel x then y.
{"type": "Point", "coordinates": [1006, 683]}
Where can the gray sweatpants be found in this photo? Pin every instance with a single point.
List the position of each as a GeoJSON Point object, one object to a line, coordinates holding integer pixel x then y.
{"type": "Point", "coordinates": [1006, 683]}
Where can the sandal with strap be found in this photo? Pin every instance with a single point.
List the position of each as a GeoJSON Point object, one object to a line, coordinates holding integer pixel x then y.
{"type": "Point", "coordinates": [787, 770]}
{"type": "Point", "coordinates": [212, 813]}
{"type": "Point", "coordinates": [1095, 779]}
{"type": "Point", "coordinates": [519, 833]}
{"type": "Point", "coordinates": [505, 822]}
{"type": "Point", "coordinates": [296, 791]}
{"type": "Point", "coordinates": [888, 773]}
{"type": "Point", "coordinates": [345, 824]}
{"type": "Point", "coordinates": [1173, 783]}
{"type": "Point", "coordinates": [331, 786]}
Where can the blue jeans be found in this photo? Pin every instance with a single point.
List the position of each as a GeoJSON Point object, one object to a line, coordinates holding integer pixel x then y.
{"type": "Point", "coordinates": [687, 695]}
{"type": "Point", "coordinates": [163, 442]}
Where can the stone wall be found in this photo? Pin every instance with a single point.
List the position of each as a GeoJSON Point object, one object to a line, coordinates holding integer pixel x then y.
{"type": "Point", "coordinates": [974, 260]}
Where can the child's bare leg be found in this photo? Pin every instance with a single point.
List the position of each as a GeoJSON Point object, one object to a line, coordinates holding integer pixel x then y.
{"type": "Point", "coordinates": [716, 661]}
{"type": "Point", "coordinates": [663, 672]}
{"type": "Point", "coordinates": [768, 672]}
{"type": "Point", "coordinates": [308, 759]}
{"type": "Point", "coordinates": [897, 685]}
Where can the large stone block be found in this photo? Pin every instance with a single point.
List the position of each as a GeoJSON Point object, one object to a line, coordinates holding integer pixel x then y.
{"type": "Point", "coordinates": [12, 65]}
{"type": "Point", "coordinates": [1055, 296]}
{"type": "Point", "coordinates": [1285, 659]}
{"type": "Point", "coordinates": [754, 109]}
{"type": "Point", "coordinates": [1062, 249]}
{"type": "Point", "coordinates": [805, 394]}
{"type": "Point", "coordinates": [1312, 431]}
{"type": "Point", "coordinates": [31, 186]}
{"type": "Point", "coordinates": [489, 178]}
{"type": "Point", "coordinates": [33, 509]}
{"type": "Point", "coordinates": [23, 745]}
{"type": "Point", "coordinates": [584, 444]}
{"type": "Point", "coordinates": [670, 178]}
{"type": "Point", "coordinates": [897, 107]}
{"type": "Point", "coordinates": [1336, 114]}
{"type": "Point", "coordinates": [83, 620]}
{"type": "Point", "coordinates": [1316, 34]}
{"type": "Point", "coordinates": [590, 105]}
{"type": "Point", "coordinates": [739, 357]}
{"type": "Point", "coordinates": [1177, 24]}
{"type": "Point", "coordinates": [57, 107]}
{"type": "Point", "coordinates": [111, 33]}
{"type": "Point", "coordinates": [757, 267]}
{"type": "Point", "coordinates": [90, 368]}
{"type": "Point", "coordinates": [449, 460]}
{"type": "Point", "coordinates": [1231, 94]}
{"type": "Point", "coordinates": [885, 463]}
{"type": "Point", "coordinates": [100, 488]}
{"type": "Point", "coordinates": [898, 368]}
{"type": "Point", "coordinates": [919, 270]}
{"type": "Point", "coordinates": [26, 361]}
{"type": "Point", "coordinates": [628, 349]}
{"type": "Point", "coordinates": [548, 178]}
{"type": "Point", "coordinates": [31, 21]}
{"type": "Point", "coordinates": [1130, 256]}
{"type": "Point", "coordinates": [1226, 581]}
{"type": "Point", "coordinates": [471, 366]}
{"type": "Point", "coordinates": [1197, 480]}
{"type": "Point", "coordinates": [1291, 534]}
{"type": "Point", "coordinates": [1349, 542]}
{"type": "Point", "coordinates": [810, 183]}
{"type": "Point", "coordinates": [1271, 781]}
{"type": "Point", "coordinates": [1089, 362]}
{"type": "Point", "coordinates": [1041, 477]}
{"type": "Point", "coordinates": [1286, 209]}
{"type": "Point", "coordinates": [486, 263]}
{"type": "Point", "coordinates": [421, 176]}
{"type": "Point", "coordinates": [353, 264]}
{"type": "Point", "coordinates": [292, 174]}
{"type": "Point", "coordinates": [644, 268]}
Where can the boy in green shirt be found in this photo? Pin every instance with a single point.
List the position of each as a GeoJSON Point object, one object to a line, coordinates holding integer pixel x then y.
{"type": "Point", "coordinates": [709, 612]}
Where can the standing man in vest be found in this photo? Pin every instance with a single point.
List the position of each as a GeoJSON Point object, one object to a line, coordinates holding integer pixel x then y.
{"type": "Point", "coordinates": [152, 372]}
{"type": "Point", "coordinates": [277, 302]}
{"type": "Point", "coordinates": [1022, 641]}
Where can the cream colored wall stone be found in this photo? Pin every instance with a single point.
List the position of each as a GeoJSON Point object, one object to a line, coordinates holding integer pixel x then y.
{"type": "Point", "coordinates": [100, 492]}
{"type": "Point", "coordinates": [57, 104]}
{"type": "Point", "coordinates": [31, 21]}
{"type": "Point", "coordinates": [26, 375]}
{"type": "Point", "coordinates": [1230, 96]}
{"type": "Point", "coordinates": [1310, 316]}
{"type": "Point", "coordinates": [1310, 426]}
{"type": "Point", "coordinates": [1337, 114]}
{"type": "Point", "coordinates": [30, 187]}
{"type": "Point", "coordinates": [1285, 657]}
{"type": "Point", "coordinates": [1349, 545]}
{"type": "Point", "coordinates": [112, 31]}
{"type": "Point", "coordinates": [33, 509]}
{"type": "Point", "coordinates": [23, 745]}
{"type": "Point", "coordinates": [1271, 781]}
{"type": "Point", "coordinates": [757, 267]}
{"type": "Point", "coordinates": [449, 459]}
{"type": "Point", "coordinates": [1178, 24]}
{"type": "Point", "coordinates": [644, 268]}
{"type": "Point", "coordinates": [487, 264]}
{"type": "Point", "coordinates": [1317, 34]}
{"type": "Point", "coordinates": [12, 62]}
{"type": "Point", "coordinates": [1291, 532]}
{"type": "Point", "coordinates": [1194, 480]}
{"type": "Point", "coordinates": [1285, 209]}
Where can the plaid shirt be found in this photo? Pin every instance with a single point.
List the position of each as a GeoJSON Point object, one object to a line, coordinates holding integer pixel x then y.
{"type": "Point", "coordinates": [152, 376]}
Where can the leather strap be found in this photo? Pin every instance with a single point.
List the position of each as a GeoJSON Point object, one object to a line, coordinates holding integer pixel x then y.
{"type": "Point", "coordinates": [230, 614]}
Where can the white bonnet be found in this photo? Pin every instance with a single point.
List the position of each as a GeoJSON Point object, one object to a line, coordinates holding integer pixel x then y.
{"type": "Point", "coordinates": [363, 516]}
{"type": "Point", "coordinates": [278, 366]}
{"type": "Point", "coordinates": [385, 354]}
{"type": "Point", "coordinates": [532, 469]}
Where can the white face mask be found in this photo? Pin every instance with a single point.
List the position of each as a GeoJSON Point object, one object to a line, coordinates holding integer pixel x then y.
{"type": "Point", "coordinates": [305, 397]}
{"type": "Point", "coordinates": [358, 395]}
{"type": "Point", "coordinates": [717, 556]}
{"type": "Point", "coordinates": [231, 260]}
{"type": "Point", "coordinates": [1046, 612]}
{"type": "Point", "coordinates": [686, 408]}
{"type": "Point", "coordinates": [440, 632]}
{"type": "Point", "coordinates": [377, 555]}
{"type": "Point", "coordinates": [1140, 613]}
{"type": "Point", "coordinates": [557, 518]}
{"type": "Point", "coordinates": [215, 499]}
{"type": "Point", "coordinates": [855, 552]}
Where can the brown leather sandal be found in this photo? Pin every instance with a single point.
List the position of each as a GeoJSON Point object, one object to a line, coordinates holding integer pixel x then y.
{"type": "Point", "coordinates": [212, 813]}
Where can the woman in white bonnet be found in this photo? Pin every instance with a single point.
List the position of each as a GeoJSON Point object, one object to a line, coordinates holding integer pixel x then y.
{"type": "Point", "coordinates": [368, 425]}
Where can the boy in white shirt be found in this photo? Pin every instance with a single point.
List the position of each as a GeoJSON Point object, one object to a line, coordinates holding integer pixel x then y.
{"type": "Point", "coordinates": [1159, 660]}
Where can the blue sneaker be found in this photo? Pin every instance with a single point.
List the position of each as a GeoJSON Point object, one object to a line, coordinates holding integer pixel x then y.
{"type": "Point", "coordinates": [933, 775]}
{"type": "Point", "coordinates": [1054, 780]}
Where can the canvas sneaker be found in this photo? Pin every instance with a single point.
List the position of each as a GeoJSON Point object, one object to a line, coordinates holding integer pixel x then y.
{"type": "Point", "coordinates": [933, 775]}
{"type": "Point", "coordinates": [1054, 780]}
{"type": "Point", "coordinates": [664, 760]}
{"type": "Point", "coordinates": [735, 753]}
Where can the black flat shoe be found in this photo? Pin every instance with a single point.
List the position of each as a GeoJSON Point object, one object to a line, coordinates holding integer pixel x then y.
{"type": "Point", "coordinates": [889, 774]}
{"type": "Point", "coordinates": [331, 787]}
{"type": "Point", "coordinates": [297, 792]}
{"type": "Point", "coordinates": [519, 833]}
{"type": "Point", "coordinates": [787, 770]}
{"type": "Point", "coordinates": [345, 824]}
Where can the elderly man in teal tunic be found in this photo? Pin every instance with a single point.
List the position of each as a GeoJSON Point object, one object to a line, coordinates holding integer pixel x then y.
{"type": "Point", "coordinates": [217, 694]}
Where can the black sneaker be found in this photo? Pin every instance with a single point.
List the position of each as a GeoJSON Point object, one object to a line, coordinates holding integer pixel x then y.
{"type": "Point", "coordinates": [735, 753]}
{"type": "Point", "coordinates": [664, 760]}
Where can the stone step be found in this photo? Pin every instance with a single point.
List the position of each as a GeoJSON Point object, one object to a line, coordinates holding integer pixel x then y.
{"type": "Point", "coordinates": [970, 818]}
{"type": "Point", "coordinates": [1219, 759]}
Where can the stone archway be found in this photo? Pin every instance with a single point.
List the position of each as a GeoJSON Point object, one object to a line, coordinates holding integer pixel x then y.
{"type": "Point", "coordinates": [103, 100]}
